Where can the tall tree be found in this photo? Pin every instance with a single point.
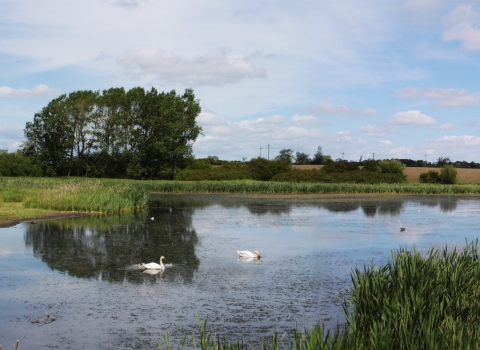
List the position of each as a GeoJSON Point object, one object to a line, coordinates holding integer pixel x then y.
{"type": "Point", "coordinates": [302, 158]}
{"type": "Point", "coordinates": [285, 154]}
{"type": "Point", "coordinates": [49, 137]}
{"type": "Point", "coordinates": [318, 157]}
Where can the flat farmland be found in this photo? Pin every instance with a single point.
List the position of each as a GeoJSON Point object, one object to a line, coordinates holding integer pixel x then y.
{"type": "Point", "coordinates": [464, 175]}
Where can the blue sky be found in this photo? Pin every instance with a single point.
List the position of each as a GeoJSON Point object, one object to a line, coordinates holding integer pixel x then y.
{"type": "Point", "coordinates": [396, 78]}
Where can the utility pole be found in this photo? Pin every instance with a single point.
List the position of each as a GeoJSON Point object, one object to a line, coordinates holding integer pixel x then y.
{"type": "Point", "coordinates": [268, 152]}
{"type": "Point", "coordinates": [343, 154]}
{"type": "Point", "coordinates": [260, 152]}
{"type": "Point", "coordinates": [425, 160]}
{"type": "Point", "coordinates": [373, 156]}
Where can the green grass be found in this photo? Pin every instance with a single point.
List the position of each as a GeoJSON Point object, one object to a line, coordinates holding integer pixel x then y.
{"type": "Point", "coordinates": [412, 302]}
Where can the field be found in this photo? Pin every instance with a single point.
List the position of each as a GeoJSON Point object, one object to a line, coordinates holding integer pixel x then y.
{"type": "Point", "coordinates": [464, 175]}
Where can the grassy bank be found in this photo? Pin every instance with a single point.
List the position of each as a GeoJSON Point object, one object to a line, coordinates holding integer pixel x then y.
{"type": "Point", "coordinates": [20, 196]}
{"type": "Point", "coordinates": [414, 302]}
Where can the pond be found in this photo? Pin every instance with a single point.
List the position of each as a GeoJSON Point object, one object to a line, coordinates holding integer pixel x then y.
{"type": "Point", "coordinates": [78, 271]}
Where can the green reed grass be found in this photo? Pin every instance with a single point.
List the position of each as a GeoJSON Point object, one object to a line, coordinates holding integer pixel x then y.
{"type": "Point", "coordinates": [116, 195]}
{"type": "Point", "coordinates": [415, 301]}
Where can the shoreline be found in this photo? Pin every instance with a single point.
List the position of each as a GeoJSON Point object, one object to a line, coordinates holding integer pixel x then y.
{"type": "Point", "coordinates": [60, 215]}
{"type": "Point", "coordinates": [281, 196]}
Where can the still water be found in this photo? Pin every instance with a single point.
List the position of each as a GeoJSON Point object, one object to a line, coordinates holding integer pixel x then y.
{"type": "Point", "coordinates": [79, 270]}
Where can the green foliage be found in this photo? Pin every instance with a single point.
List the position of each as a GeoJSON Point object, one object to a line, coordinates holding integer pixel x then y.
{"type": "Point", "coordinates": [116, 133]}
{"type": "Point", "coordinates": [391, 166]}
{"type": "Point", "coordinates": [297, 175]}
{"type": "Point", "coordinates": [417, 302]}
{"type": "Point", "coordinates": [285, 154]}
{"type": "Point", "coordinates": [371, 166]}
{"type": "Point", "coordinates": [302, 158]}
{"type": "Point", "coordinates": [443, 161]}
{"type": "Point", "coordinates": [318, 157]}
{"type": "Point", "coordinates": [432, 177]}
{"type": "Point", "coordinates": [340, 167]}
{"type": "Point", "coordinates": [263, 169]}
{"type": "Point", "coordinates": [16, 164]}
{"type": "Point", "coordinates": [448, 174]}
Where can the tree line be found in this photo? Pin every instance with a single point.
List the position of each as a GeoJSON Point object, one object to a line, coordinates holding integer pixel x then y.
{"type": "Point", "coordinates": [136, 134]}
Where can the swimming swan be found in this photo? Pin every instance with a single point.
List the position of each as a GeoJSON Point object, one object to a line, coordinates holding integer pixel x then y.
{"type": "Point", "coordinates": [154, 266]}
{"type": "Point", "coordinates": [247, 254]}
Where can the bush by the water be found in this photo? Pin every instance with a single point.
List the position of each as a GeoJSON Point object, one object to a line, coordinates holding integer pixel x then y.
{"type": "Point", "coordinates": [297, 175]}
{"type": "Point", "coordinates": [447, 175]}
{"type": "Point", "coordinates": [256, 169]}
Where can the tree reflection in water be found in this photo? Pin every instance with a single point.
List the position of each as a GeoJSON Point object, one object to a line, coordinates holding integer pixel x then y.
{"type": "Point", "coordinates": [105, 247]}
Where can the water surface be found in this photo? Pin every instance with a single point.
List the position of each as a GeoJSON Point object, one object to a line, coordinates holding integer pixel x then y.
{"type": "Point", "coordinates": [79, 270]}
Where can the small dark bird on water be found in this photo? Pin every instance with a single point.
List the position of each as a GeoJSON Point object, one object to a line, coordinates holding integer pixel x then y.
{"type": "Point", "coordinates": [33, 222]}
{"type": "Point", "coordinates": [401, 227]}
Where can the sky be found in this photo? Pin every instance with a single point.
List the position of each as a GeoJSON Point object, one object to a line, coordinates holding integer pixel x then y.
{"type": "Point", "coordinates": [370, 78]}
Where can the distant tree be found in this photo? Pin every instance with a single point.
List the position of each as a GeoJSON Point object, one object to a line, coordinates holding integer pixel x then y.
{"type": "Point", "coordinates": [430, 177]}
{"type": "Point", "coordinates": [302, 158]}
{"type": "Point", "coordinates": [448, 174]}
{"type": "Point", "coordinates": [392, 166]}
{"type": "Point", "coordinates": [285, 154]}
{"type": "Point", "coordinates": [16, 164]}
{"type": "Point", "coordinates": [443, 161]}
{"type": "Point", "coordinates": [371, 165]}
{"type": "Point", "coordinates": [318, 157]}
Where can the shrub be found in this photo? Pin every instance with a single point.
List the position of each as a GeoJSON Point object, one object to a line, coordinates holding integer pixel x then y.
{"type": "Point", "coordinates": [340, 167]}
{"type": "Point", "coordinates": [431, 177]}
{"type": "Point", "coordinates": [392, 166]}
{"type": "Point", "coordinates": [297, 175]}
{"type": "Point", "coordinates": [371, 165]}
{"type": "Point", "coordinates": [448, 174]}
{"type": "Point", "coordinates": [263, 169]}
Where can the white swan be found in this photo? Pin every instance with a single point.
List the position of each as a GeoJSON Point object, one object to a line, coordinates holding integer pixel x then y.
{"type": "Point", "coordinates": [155, 266]}
{"type": "Point", "coordinates": [247, 254]}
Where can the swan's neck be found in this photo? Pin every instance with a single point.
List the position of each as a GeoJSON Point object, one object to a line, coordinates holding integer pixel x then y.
{"type": "Point", "coordinates": [161, 264]}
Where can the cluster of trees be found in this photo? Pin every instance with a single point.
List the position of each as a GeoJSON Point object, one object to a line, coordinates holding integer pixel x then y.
{"type": "Point", "coordinates": [301, 158]}
{"type": "Point", "coordinates": [441, 161]}
{"type": "Point", "coordinates": [16, 164]}
{"type": "Point", "coordinates": [114, 133]}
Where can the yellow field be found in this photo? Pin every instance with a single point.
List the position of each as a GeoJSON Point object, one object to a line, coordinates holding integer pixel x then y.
{"type": "Point", "coordinates": [464, 175]}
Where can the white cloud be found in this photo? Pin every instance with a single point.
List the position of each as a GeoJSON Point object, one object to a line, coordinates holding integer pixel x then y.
{"type": "Point", "coordinates": [462, 25]}
{"type": "Point", "coordinates": [456, 141]}
{"type": "Point", "coordinates": [446, 126]}
{"type": "Point", "coordinates": [329, 109]}
{"type": "Point", "coordinates": [38, 91]}
{"type": "Point", "coordinates": [385, 143]}
{"type": "Point", "coordinates": [304, 120]}
{"type": "Point", "coordinates": [411, 118]}
{"type": "Point", "coordinates": [401, 152]}
{"type": "Point", "coordinates": [373, 130]}
{"type": "Point", "coordinates": [443, 97]}
{"type": "Point", "coordinates": [203, 70]}
{"type": "Point", "coordinates": [422, 5]}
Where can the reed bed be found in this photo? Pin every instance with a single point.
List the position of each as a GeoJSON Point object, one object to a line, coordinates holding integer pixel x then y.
{"type": "Point", "coordinates": [117, 195]}
{"type": "Point", "coordinates": [413, 302]}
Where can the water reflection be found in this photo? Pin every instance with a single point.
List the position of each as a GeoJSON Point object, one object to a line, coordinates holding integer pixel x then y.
{"type": "Point", "coordinates": [102, 247]}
